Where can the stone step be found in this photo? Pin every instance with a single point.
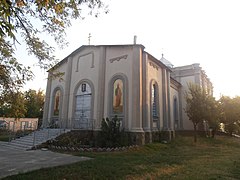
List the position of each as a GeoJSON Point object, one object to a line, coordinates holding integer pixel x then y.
{"type": "Point", "coordinates": [27, 139]}
{"type": "Point", "coordinates": [22, 143]}
{"type": "Point", "coordinates": [37, 138]}
{"type": "Point", "coordinates": [17, 146]}
{"type": "Point", "coordinates": [40, 136]}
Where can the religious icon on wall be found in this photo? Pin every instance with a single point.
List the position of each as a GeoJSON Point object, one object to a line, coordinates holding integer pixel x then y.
{"type": "Point", "coordinates": [118, 96]}
{"type": "Point", "coordinates": [56, 103]}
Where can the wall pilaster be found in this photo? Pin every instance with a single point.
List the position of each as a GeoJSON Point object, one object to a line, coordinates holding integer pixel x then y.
{"type": "Point", "coordinates": [46, 118]}
{"type": "Point", "coordinates": [137, 90]}
{"type": "Point", "coordinates": [65, 121]}
{"type": "Point", "coordinates": [145, 93]}
{"type": "Point", "coordinates": [164, 99]}
{"type": "Point", "coordinates": [168, 101]}
{"type": "Point", "coordinates": [101, 88]}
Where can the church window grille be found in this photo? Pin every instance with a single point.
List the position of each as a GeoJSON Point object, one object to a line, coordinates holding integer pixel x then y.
{"type": "Point", "coordinates": [175, 112]}
{"type": "Point", "coordinates": [154, 103]}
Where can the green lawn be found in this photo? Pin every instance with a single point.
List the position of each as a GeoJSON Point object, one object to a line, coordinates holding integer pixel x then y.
{"type": "Point", "coordinates": [181, 159]}
{"type": "Point", "coordinates": [4, 137]}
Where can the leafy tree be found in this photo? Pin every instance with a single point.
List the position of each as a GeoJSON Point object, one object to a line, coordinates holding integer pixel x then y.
{"type": "Point", "coordinates": [213, 114]}
{"type": "Point", "coordinates": [28, 104]}
{"type": "Point", "coordinates": [196, 106]}
{"type": "Point", "coordinates": [13, 105]}
{"type": "Point", "coordinates": [34, 101]}
{"type": "Point", "coordinates": [231, 113]}
{"type": "Point", "coordinates": [27, 20]}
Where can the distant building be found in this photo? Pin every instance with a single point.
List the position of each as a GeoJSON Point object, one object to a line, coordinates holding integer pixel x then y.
{"type": "Point", "coordinates": [147, 94]}
{"type": "Point", "coordinates": [20, 124]}
{"type": "Point", "coordinates": [190, 74]}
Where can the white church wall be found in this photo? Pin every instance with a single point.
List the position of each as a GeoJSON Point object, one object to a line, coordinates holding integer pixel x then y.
{"type": "Point", "coordinates": [84, 68]}
{"type": "Point", "coordinates": [137, 123]}
{"type": "Point", "coordinates": [58, 82]}
{"type": "Point", "coordinates": [155, 73]}
{"type": "Point", "coordinates": [119, 62]}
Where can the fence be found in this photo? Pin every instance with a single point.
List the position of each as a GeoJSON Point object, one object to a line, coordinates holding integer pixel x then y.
{"type": "Point", "coordinates": [83, 123]}
{"type": "Point", "coordinates": [74, 123]}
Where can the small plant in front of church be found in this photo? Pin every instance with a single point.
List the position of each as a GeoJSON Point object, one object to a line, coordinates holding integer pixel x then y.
{"type": "Point", "coordinates": [111, 134]}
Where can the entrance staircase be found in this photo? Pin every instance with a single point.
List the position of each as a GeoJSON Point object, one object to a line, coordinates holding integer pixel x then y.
{"type": "Point", "coordinates": [35, 138]}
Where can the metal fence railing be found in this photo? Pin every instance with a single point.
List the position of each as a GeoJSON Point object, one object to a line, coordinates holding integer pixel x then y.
{"type": "Point", "coordinates": [83, 123]}
{"type": "Point", "coordinates": [74, 123]}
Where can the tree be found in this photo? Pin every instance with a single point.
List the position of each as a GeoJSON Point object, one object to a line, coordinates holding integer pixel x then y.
{"type": "Point", "coordinates": [26, 20]}
{"type": "Point", "coordinates": [196, 99]}
{"type": "Point", "coordinates": [28, 104]}
{"type": "Point", "coordinates": [34, 101]}
{"type": "Point", "coordinates": [14, 105]}
{"type": "Point", "coordinates": [231, 114]}
{"type": "Point", "coordinates": [213, 114]}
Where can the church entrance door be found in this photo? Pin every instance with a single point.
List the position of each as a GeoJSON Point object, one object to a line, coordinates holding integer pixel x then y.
{"type": "Point", "coordinates": [83, 107]}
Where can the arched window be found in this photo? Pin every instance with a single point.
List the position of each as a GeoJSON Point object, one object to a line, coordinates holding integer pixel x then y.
{"type": "Point", "coordinates": [154, 105]}
{"type": "Point", "coordinates": [154, 101]}
{"type": "Point", "coordinates": [117, 97]}
{"type": "Point", "coordinates": [56, 106]}
{"type": "Point", "coordinates": [82, 113]}
{"type": "Point", "coordinates": [175, 112]}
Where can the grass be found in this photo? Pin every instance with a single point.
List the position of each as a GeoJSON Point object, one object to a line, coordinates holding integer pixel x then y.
{"type": "Point", "coordinates": [181, 159]}
{"type": "Point", "coordinates": [4, 135]}
{"type": "Point", "coordinates": [4, 138]}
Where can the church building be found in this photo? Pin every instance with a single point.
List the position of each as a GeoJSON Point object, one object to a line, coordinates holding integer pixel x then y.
{"type": "Point", "coordinates": [101, 81]}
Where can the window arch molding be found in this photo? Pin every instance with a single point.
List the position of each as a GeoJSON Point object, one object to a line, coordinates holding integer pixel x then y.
{"type": "Point", "coordinates": [154, 104]}
{"type": "Point", "coordinates": [83, 81]}
{"type": "Point", "coordinates": [124, 115]}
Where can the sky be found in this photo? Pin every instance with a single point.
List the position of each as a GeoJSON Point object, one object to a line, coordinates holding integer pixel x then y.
{"type": "Point", "coordinates": [185, 31]}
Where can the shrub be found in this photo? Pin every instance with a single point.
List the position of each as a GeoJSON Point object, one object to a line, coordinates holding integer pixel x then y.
{"type": "Point", "coordinates": [111, 134]}
{"type": "Point", "coordinates": [74, 138]}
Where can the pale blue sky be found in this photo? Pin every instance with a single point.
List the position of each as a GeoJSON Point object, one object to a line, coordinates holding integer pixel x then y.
{"type": "Point", "coordinates": [186, 31]}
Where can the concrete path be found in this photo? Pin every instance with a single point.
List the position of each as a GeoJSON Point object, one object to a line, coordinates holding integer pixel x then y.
{"type": "Point", "coordinates": [19, 161]}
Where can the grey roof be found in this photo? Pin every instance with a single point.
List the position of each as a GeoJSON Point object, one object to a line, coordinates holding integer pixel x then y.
{"type": "Point", "coordinates": [166, 62]}
{"type": "Point", "coordinates": [160, 63]}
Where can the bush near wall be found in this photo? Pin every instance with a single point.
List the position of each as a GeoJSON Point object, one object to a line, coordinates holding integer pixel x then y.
{"type": "Point", "coordinates": [111, 135]}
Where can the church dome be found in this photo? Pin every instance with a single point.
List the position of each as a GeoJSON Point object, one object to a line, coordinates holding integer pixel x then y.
{"type": "Point", "coordinates": [166, 62]}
